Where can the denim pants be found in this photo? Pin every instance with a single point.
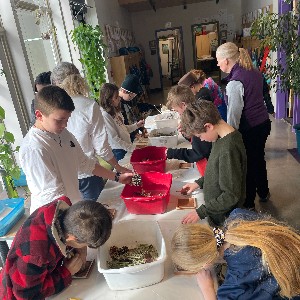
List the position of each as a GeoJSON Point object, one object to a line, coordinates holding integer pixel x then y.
{"type": "Point", "coordinates": [91, 187]}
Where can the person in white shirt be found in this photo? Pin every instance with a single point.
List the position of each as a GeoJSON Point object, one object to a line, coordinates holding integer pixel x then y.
{"type": "Point", "coordinates": [50, 155]}
{"type": "Point", "coordinates": [118, 132]}
{"type": "Point", "coordinates": [87, 125]}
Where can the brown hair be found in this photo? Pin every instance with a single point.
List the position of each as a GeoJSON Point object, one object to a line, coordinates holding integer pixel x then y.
{"type": "Point", "coordinates": [231, 51]}
{"type": "Point", "coordinates": [51, 98]}
{"type": "Point", "coordinates": [179, 94]}
{"type": "Point", "coordinates": [106, 94]}
{"type": "Point", "coordinates": [201, 76]}
{"type": "Point", "coordinates": [194, 245]}
{"type": "Point", "coordinates": [74, 85]}
{"type": "Point", "coordinates": [89, 222]}
{"type": "Point", "coordinates": [197, 115]}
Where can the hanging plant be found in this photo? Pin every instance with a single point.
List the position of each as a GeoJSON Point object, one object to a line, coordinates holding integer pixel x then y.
{"type": "Point", "coordinates": [89, 41]}
{"type": "Point", "coordinates": [280, 33]}
{"type": "Point", "coordinates": [8, 167]}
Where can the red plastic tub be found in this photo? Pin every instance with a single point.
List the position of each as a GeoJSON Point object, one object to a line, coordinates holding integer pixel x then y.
{"type": "Point", "coordinates": [149, 159]}
{"type": "Point", "coordinates": [158, 184]}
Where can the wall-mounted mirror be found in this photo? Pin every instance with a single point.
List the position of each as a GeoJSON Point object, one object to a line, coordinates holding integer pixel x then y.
{"type": "Point", "coordinates": [206, 39]}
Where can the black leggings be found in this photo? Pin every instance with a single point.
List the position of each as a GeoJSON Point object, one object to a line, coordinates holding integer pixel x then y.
{"type": "Point", "coordinates": [256, 180]}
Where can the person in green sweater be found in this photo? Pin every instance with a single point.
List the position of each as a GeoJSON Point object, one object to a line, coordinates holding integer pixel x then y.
{"type": "Point", "coordinates": [224, 182]}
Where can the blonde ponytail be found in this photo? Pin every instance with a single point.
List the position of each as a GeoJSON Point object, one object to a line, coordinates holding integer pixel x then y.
{"type": "Point", "coordinates": [280, 247]}
{"type": "Point", "coordinates": [245, 60]}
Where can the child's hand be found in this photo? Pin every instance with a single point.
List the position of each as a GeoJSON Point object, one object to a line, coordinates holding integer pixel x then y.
{"type": "Point", "coordinates": [140, 123]}
{"type": "Point", "coordinates": [190, 218]}
{"type": "Point", "coordinates": [82, 254]}
{"type": "Point", "coordinates": [189, 188]}
{"type": "Point", "coordinates": [206, 284]}
{"type": "Point", "coordinates": [73, 264]}
{"type": "Point", "coordinates": [126, 178]}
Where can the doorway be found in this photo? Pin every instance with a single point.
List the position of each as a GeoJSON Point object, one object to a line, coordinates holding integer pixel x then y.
{"type": "Point", "coordinates": [206, 39]}
{"type": "Point", "coordinates": [170, 56]}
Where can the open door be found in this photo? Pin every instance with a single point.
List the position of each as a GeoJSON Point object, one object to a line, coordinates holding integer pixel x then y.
{"type": "Point", "coordinates": [171, 56]}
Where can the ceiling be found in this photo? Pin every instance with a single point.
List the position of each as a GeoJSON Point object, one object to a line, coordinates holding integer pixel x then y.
{"type": "Point", "coordinates": [140, 5]}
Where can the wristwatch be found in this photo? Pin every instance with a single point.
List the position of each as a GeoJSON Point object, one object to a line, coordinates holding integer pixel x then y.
{"type": "Point", "coordinates": [117, 176]}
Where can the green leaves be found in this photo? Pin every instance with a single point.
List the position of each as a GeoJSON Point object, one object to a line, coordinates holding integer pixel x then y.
{"type": "Point", "coordinates": [280, 33]}
{"type": "Point", "coordinates": [7, 161]}
{"type": "Point", "coordinates": [2, 113]}
{"type": "Point", "coordinates": [89, 41]}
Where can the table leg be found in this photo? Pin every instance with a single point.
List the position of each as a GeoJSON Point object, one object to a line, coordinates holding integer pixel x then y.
{"type": "Point", "coordinates": [3, 251]}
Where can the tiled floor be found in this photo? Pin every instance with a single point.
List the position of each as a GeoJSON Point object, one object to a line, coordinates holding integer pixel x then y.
{"type": "Point", "coordinates": [283, 170]}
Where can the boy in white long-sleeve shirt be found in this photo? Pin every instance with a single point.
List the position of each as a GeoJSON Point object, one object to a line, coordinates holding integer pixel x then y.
{"type": "Point", "coordinates": [50, 155]}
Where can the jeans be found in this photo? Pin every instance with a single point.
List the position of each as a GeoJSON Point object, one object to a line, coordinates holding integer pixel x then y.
{"type": "Point", "coordinates": [91, 187]}
{"type": "Point", "coordinates": [256, 179]}
{"type": "Point", "coordinates": [119, 153]}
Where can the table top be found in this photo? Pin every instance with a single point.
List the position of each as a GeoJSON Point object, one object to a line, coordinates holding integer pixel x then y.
{"type": "Point", "coordinates": [172, 286]}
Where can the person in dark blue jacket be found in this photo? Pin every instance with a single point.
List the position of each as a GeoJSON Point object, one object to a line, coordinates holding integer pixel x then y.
{"type": "Point", "coordinates": [262, 257]}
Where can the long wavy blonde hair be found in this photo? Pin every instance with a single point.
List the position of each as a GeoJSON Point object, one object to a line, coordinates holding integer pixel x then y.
{"type": "Point", "coordinates": [194, 246]}
{"type": "Point", "coordinates": [232, 52]}
{"type": "Point", "coordinates": [74, 85]}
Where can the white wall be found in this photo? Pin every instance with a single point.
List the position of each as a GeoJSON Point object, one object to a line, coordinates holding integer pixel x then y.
{"type": "Point", "coordinates": [146, 22]}
{"type": "Point", "coordinates": [11, 122]}
{"type": "Point", "coordinates": [248, 6]}
{"type": "Point", "coordinates": [110, 13]}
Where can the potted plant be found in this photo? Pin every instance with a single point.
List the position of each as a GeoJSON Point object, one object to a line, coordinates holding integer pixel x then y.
{"type": "Point", "coordinates": [280, 33]}
{"type": "Point", "coordinates": [89, 41]}
{"type": "Point", "coordinates": [8, 167]}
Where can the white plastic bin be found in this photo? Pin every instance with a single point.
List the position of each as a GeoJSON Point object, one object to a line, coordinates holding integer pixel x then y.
{"type": "Point", "coordinates": [130, 233]}
{"type": "Point", "coordinates": [167, 140]}
{"type": "Point", "coordinates": [167, 119]}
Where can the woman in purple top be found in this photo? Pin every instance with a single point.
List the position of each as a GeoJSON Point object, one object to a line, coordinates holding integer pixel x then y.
{"type": "Point", "coordinates": [247, 112]}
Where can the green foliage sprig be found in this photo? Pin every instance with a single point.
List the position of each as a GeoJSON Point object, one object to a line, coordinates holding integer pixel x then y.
{"type": "Point", "coordinates": [89, 41]}
{"type": "Point", "coordinates": [280, 33]}
{"type": "Point", "coordinates": [7, 161]}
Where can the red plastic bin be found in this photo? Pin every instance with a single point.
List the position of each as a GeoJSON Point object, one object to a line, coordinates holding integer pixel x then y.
{"type": "Point", "coordinates": [149, 159]}
{"type": "Point", "coordinates": [158, 184]}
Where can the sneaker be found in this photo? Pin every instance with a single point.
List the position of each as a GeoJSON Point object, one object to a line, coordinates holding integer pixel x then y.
{"type": "Point", "coordinates": [266, 199]}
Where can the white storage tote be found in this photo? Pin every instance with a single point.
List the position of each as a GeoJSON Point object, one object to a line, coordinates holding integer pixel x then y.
{"type": "Point", "coordinates": [130, 233]}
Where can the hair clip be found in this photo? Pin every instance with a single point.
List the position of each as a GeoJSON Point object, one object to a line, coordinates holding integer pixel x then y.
{"type": "Point", "coordinates": [219, 236]}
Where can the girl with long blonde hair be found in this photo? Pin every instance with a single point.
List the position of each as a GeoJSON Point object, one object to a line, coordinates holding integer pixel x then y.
{"type": "Point", "coordinates": [262, 255]}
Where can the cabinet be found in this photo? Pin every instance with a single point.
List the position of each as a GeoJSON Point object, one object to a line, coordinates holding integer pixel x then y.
{"type": "Point", "coordinates": [120, 66]}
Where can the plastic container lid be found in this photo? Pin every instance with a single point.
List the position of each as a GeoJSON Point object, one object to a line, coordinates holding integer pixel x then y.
{"type": "Point", "coordinates": [11, 211]}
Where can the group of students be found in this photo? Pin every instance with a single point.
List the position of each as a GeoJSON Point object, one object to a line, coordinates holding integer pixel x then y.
{"type": "Point", "coordinates": [261, 254]}
{"type": "Point", "coordinates": [59, 156]}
